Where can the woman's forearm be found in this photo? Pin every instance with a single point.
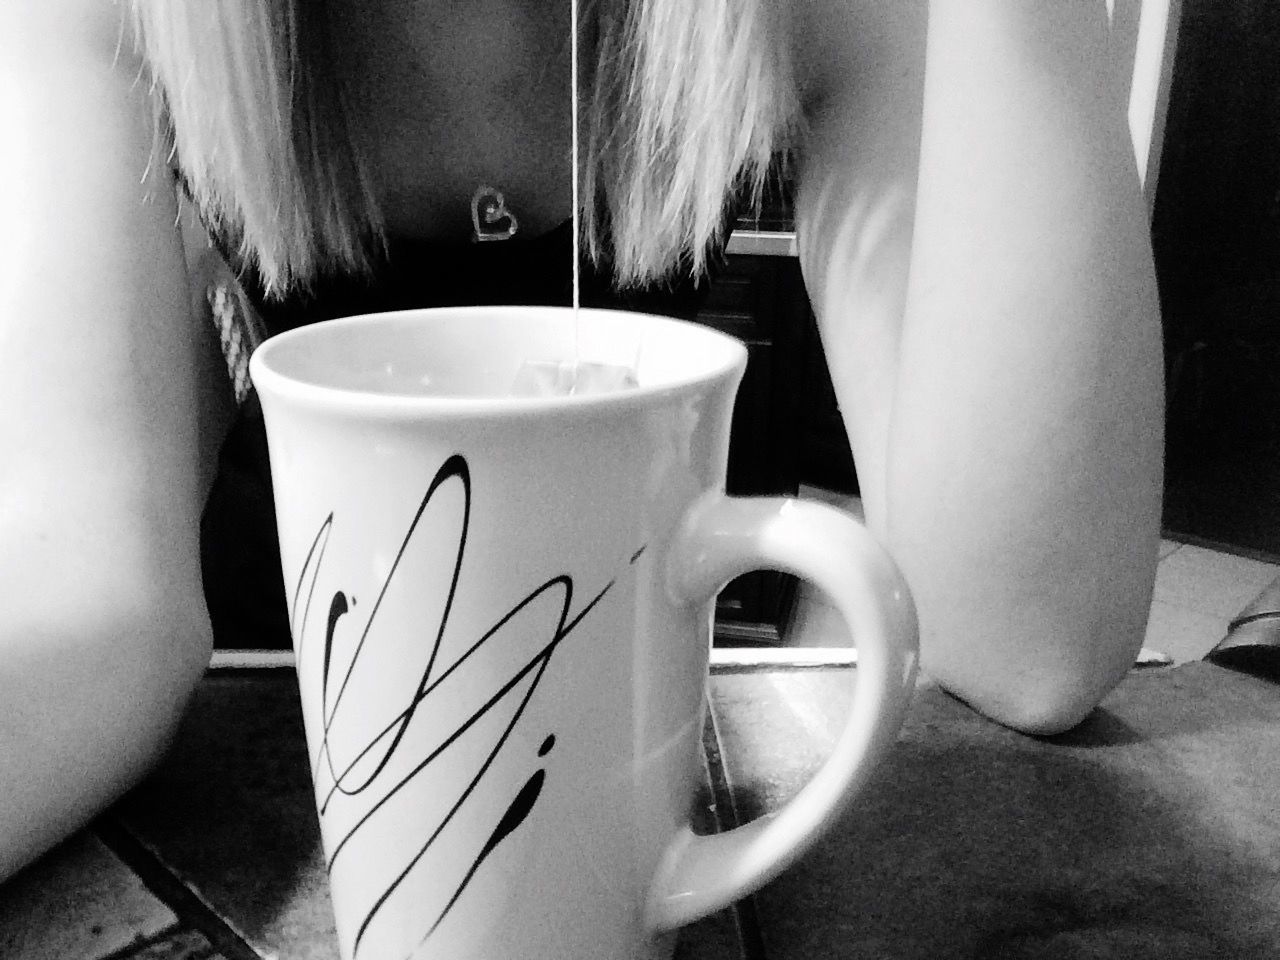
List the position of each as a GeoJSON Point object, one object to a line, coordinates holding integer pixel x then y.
{"type": "Point", "coordinates": [93, 678]}
{"type": "Point", "coordinates": [1025, 465]}
{"type": "Point", "coordinates": [103, 631]}
{"type": "Point", "coordinates": [975, 250]}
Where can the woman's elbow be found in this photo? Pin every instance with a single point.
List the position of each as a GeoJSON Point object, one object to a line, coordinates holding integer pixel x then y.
{"type": "Point", "coordinates": [94, 690]}
{"type": "Point", "coordinates": [1048, 695]}
{"type": "Point", "coordinates": [1048, 708]}
{"type": "Point", "coordinates": [109, 674]}
{"type": "Point", "coordinates": [158, 640]}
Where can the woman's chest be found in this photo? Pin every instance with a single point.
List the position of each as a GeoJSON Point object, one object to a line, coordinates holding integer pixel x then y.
{"type": "Point", "coordinates": [448, 95]}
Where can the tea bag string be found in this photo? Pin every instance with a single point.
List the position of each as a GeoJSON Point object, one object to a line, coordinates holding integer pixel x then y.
{"type": "Point", "coordinates": [573, 158]}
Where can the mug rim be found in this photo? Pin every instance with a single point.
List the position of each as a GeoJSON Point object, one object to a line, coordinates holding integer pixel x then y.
{"type": "Point", "coordinates": [267, 379]}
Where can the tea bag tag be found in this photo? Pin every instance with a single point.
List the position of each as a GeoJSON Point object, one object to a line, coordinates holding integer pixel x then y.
{"type": "Point", "coordinates": [567, 378]}
{"type": "Point", "coordinates": [490, 218]}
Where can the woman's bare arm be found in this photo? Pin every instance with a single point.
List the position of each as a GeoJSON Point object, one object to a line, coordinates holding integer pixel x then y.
{"type": "Point", "coordinates": [103, 629]}
{"type": "Point", "coordinates": [975, 246]}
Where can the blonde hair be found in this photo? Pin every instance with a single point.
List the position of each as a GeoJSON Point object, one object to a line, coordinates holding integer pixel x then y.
{"type": "Point", "coordinates": [691, 99]}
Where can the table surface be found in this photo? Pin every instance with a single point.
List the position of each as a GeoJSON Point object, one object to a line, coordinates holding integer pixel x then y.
{"type": "Point", "coordinates": [1151, 831]}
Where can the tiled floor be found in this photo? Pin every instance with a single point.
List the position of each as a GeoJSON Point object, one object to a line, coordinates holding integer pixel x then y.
{"type": "Point", "coordinates": [1148, 832]}
{"type": "Point", "coordinates": [142, 886]}
{"type": "Point", "coordinates": [217, 855]}
{"type": "Point", "coordinates": [80, 902]}
{"type": "Point", "coordinates": [1198, 593]}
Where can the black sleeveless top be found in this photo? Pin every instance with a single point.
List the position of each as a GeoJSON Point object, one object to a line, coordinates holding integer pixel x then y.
{"type": "Point", "coordinates": [240, 554]}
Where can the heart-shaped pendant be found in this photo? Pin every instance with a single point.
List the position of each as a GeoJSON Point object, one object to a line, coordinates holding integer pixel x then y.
{"type": "Point", "coordinates": [490, 218]}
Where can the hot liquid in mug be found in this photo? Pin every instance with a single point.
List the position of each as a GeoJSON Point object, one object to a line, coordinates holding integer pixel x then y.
{"type": "Point", "coordinates": [501, 610]}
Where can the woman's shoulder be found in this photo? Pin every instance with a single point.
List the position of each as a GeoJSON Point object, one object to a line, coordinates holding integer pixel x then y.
{"type": "Point", "coordinates": [866, 49]}
{"type": "Point", "coordinates": [843, 45]}
{"type": "Point", "coordinates": [83, 32]}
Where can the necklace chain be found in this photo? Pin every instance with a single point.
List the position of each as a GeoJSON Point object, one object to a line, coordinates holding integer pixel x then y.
{"type": "Point", "coordinates": [492, 219]}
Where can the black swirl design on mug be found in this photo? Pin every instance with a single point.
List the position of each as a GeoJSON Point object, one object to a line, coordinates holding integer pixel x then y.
{"type": "Point", "coordinates": [385, 743]}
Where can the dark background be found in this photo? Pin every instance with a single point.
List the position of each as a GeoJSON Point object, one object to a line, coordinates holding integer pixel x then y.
{"type": "Point", "coordinates": [1216, 231]}
{"type": "Point", "coordinates": [1216, 234]}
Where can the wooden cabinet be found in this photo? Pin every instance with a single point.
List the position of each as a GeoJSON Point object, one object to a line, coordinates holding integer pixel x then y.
{"type": "Point", "coordinates": [1216, 233]}
{"type": "Point", "coordinates": [786, 429]}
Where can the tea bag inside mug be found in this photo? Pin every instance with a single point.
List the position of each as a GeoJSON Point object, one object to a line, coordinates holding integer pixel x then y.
{"type": "Point", "coordinates": [562, 378]}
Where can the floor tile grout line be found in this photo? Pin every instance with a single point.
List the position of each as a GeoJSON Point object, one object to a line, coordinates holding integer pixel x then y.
{"type": "Point", "coordinates": [1217, 546]}
{"type": "Point", "coordinates": [143, 943]}
{"type": "Point", "coordinates": [1186, 608]}
{"type": "Point", "coordinates": [735, 670]}
{"type": "Point", "coordinates": [1273, 585]}
{"type": "Point", "coordinates": [1180, 599]}
{"type": "Point", "coordinates": [745, 915]}
{"type": "Point", "coordinates": [1193, 564]}
{"type": "Point", "coordinates": [727, 816]}
{"type": "Point", "coordinates": [258, 662]}
{"type": "Point", "coordinates": [190, 908]}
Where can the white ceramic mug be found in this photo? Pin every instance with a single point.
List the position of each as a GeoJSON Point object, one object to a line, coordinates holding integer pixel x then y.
{"type": "Point", "coordinates": [501, 611]}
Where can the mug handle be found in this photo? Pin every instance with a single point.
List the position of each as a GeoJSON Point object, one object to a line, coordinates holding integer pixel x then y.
{"type": "Point", "coordinates": [720, 538]}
